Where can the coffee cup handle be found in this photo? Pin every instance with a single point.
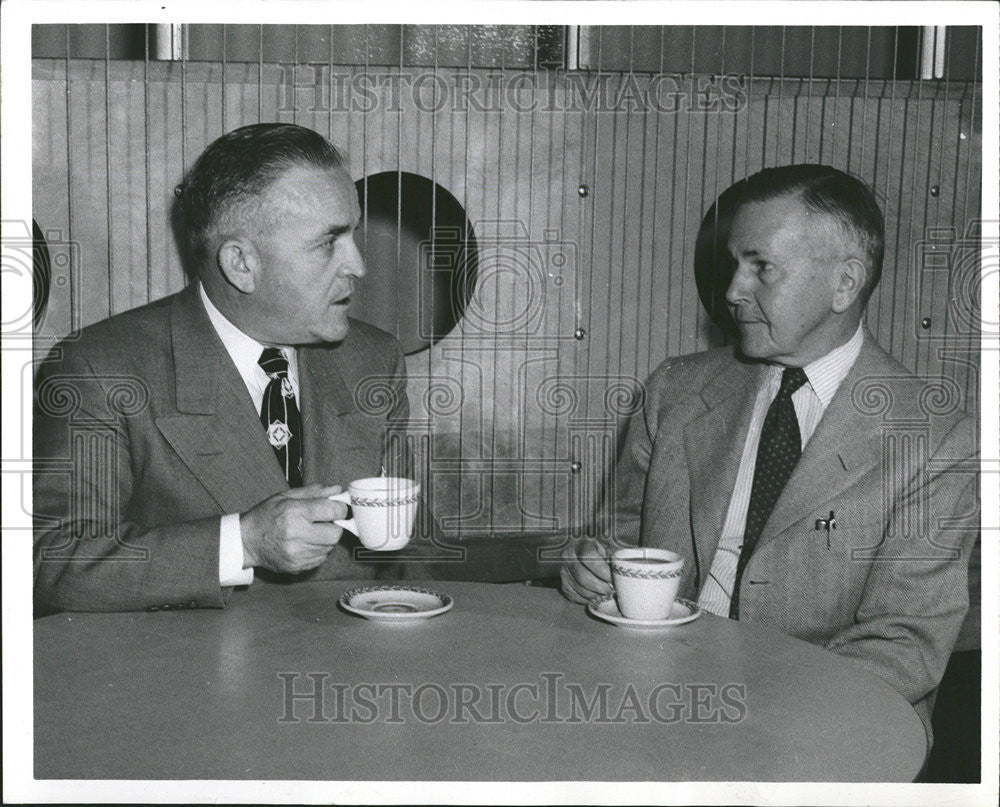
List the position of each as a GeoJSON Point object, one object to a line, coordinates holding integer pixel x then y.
{"type": "Point", "coordinates": [346, 523]}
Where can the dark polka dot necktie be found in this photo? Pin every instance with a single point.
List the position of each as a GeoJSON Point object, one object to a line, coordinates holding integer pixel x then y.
{"type": "Point", "coordinates": [280, 415]}
{"type": "Point", "coordinates": [779, 449]}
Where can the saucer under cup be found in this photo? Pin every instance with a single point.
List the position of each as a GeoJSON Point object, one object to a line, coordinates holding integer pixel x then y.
{"type": "Point", "coordinates": [646, 581]}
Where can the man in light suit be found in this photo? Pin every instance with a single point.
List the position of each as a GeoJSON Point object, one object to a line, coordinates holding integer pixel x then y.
{"type": "Point", "coordinates": [809, 481]}
{"type": "Point", "coordinates": [181, 445]}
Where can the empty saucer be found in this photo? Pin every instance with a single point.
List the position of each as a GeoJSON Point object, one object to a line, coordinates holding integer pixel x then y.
{"type": "Point", "coordinates": [395, 603]}
{"type": "Point", "coordinates": [606, 608]}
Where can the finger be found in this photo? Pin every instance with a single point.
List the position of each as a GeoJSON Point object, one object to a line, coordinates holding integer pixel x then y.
{"type": "Point", "coordinates": [568, 587]}
{"type": "Point", "coordinates": [593, 557]}
{"type": "Point", "coordinates": [588, 583]}
{"type": "Point", "coordinates": [322, 537]}
{"type": "Point", "coordinates": [321, 509]}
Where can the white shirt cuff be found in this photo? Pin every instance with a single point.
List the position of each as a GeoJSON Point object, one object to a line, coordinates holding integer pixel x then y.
{"type": "Point", "coordinates": [231, 571]}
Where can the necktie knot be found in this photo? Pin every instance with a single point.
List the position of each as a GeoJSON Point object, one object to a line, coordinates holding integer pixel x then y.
{"type": "Point", "coordinates": [273, 362]}
{"type": "Point", "coordinates": [791, 380]}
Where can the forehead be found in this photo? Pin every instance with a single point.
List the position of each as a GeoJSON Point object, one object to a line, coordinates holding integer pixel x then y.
{"type": "Point", "coordinates": [783, 224]}
{"type": "Point", "coordinates": [311, 192]}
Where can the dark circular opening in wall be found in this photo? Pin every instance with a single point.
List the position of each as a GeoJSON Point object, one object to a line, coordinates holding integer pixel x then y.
{"type": "Point", "coordinates": [713, 266]}
{"type": "Point", "coordinates": [41, 277]}
{"type": "Point", "coordinates": [420, 253]}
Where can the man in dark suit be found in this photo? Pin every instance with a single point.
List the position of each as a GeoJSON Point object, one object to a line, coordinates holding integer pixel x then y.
{"type": "Point", "coordinates": [206, 430]}
{"type": "Point", "coordinates": [810, 482]}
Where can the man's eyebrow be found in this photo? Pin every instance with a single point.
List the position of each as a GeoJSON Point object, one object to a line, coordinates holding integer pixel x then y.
{"type": "Point", "coordinates": [338, 230]}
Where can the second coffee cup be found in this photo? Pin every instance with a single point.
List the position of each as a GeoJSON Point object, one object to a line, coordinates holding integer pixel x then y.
{"type": "Point", "coordinates": [646, 581]}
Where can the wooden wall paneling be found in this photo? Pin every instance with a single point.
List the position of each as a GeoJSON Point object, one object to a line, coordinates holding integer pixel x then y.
{"type": "Point", "coordinates": [913, 226]}
{"type": "Point", "coordinates": [690, 212]}
{"type": "Point", "coordinates": [952, 287]}
{"type": "Point", "coordinates": [726, 145]}
{"type": "Point", "coordinates": [889, 297]}
{"type": "Point", "coordinates": [618, 230]}
{"type": "Point", "coordinates": [548, 179]}
{"type": "Point", "coordinates": [89, 167]}
{"type": "Point", "coordinates": [651, 176]}
{"type": "Point", "coordinates": [659, 218]}
{"type": "Point", "coordinates": [169, 125]}
{"type": "Point", "coordinates": [963, 302]}
{"type": "Point", "coordinates": [165, 274]}
{"type": "Point", "coordinates": [574, 216]}
{"type": "Point", "coordinates": [885, 186]}
{"type": "Point", "coordinates": [962, 338]}
{"type": "Point", "coordinates": [549, 175]}
{"type": "Point", "coordinates": [598, 237]}
{"type": "Point", "coordinates": [677, 170]}
{"type": "Point", "coordinates": [645, 232]}
{"type": "Point", "coordinates": [127, 149]}
{"type": "Point", "coordinates": [51, 203]}
{"type": "Point", "coordinates": [899, 210]}
{"type": "Point", "coordinates": [934, 284]}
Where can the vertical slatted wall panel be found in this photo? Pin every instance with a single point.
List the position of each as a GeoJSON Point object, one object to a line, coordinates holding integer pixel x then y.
{"type": "Point", "coordinates": [534, 396]}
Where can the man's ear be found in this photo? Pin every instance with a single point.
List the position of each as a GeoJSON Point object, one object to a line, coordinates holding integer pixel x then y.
{"type": "Point", "coordinates": [851, 279]}
{"type": "Point", "coordinates": [239, 263]}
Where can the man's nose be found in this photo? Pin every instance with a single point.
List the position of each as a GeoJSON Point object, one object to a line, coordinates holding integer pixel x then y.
{"type": "Point", "coordinates": [737, 291]}
{"type": "Point", "coordinates": [353, 263]}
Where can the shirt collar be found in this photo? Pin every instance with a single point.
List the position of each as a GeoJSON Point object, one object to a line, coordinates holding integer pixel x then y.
{"type": "Point", "coordinates": [243, 350]}
{"type": "Point", "coordinates": [826, 373]}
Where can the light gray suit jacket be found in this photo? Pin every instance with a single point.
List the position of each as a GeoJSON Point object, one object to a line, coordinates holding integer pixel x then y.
{"type": "Point", "coordinates": [144, 435]}
{"type": "Point", "coordinates": [893, 457]}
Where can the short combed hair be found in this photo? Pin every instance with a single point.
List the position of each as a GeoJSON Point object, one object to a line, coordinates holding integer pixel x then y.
{"type": "Point", "coordinates": [823, 189]}
{"type": "Point", "coordinates": [238, 167]}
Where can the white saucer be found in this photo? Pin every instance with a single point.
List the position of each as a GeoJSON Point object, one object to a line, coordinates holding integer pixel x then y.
{"type": "Point", "coordinates": [606, 608]}
{"type": "Point", "coordinates": [395, 603]}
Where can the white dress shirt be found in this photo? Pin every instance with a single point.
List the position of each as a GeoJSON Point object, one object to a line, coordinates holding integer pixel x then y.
{"type": "Point", "coordinates": [245, 353]}
{"type": "Point", "coordinates": [810, 402]}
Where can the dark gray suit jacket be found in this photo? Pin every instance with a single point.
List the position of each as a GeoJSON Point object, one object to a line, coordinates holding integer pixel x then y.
{"type": "Point", "coordinates": [893, 457]}
{"type": "Point", "coordinates": [144, 435]}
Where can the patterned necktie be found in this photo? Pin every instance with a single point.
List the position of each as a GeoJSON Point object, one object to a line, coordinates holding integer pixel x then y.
{"type": "Point", "coordinates": [280, 415]}
{"type": "Point", "coordinates": [779, 449]}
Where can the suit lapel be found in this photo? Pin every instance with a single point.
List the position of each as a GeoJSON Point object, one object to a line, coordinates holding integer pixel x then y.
{"type": "Point", "coordinates": [216, 431]}
{"type": "Point", "coordinates": [844, 446]}
{"type": "Point", "coordinates": [713, 447]}
{"type": "Point", "coordinates": [327, 412]}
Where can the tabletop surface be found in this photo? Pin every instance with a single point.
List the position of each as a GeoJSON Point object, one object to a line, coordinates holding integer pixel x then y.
{"type": "Point", "coordinates": [513, 683]}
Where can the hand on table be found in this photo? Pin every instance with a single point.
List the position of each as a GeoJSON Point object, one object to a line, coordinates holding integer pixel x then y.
{"type": "Point", "coordinates": [585, 573]}
{"type": "Point", "coordinates": [292, 531]}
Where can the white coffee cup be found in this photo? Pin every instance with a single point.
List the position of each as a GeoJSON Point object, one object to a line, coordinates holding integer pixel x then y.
{"type": "Point", "coordinates": [383, 510]}
{"type": "Point", "coordinates": [646, 581]}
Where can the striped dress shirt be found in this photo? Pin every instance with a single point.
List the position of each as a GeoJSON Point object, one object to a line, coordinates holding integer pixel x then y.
{"type": "Point", "coordinates": [810, 401]}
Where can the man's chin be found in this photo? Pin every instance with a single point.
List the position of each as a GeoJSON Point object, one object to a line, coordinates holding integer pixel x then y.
{"type": "Point", "coordinates": [338, 333]}
{"type": "Point", "coordinates": [752, 349]}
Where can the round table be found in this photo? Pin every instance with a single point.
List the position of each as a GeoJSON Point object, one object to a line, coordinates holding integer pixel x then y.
{"type": "Point", "coordinates": [513, 683]}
